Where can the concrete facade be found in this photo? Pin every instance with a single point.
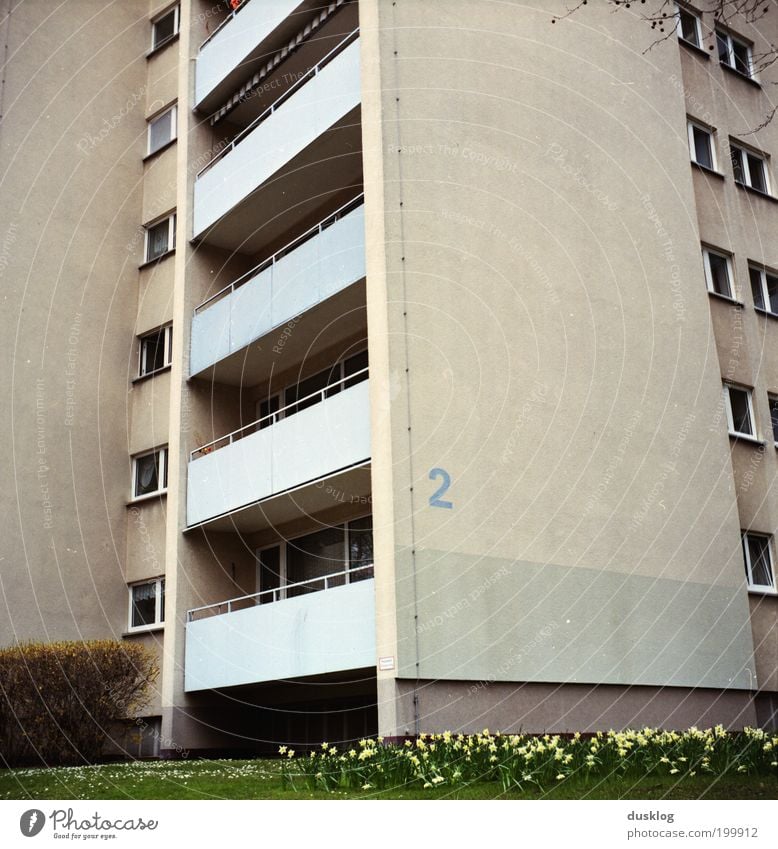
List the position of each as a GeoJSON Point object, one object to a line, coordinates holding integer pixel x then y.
{"type": "Point", "coordinates": [557, 505]}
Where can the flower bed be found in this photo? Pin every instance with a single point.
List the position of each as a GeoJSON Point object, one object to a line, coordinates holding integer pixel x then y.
{"type": "Point", "coordinates": [517, 760]}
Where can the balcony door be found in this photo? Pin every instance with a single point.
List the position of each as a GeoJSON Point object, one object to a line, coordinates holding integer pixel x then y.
{"type": "Point", "coordinates": [270, 574]}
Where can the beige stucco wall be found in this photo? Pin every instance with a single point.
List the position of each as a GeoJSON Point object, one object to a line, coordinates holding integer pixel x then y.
{"type": "Point", "coordinates": [560, 365]}
{"type": "Point", "coordinates": [746, 342]}
{"type": "Point", "coordinates": [71, 145]}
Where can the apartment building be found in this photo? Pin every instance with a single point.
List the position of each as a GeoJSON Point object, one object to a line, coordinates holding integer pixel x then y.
{"type": "Point", "coordinates": [394, 366]}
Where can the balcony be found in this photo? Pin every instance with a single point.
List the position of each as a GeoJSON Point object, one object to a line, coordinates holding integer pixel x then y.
{"type": "Point", "coordinates": [305, 146]}
{"type": "Point", "coordinates": [227, 53]}
{"type": "Point", "coordinates": [322, 262]}
{"type": "Point", "coordinates": [317, 446]}
{"type": "Point", "coordinates": [328, 626]}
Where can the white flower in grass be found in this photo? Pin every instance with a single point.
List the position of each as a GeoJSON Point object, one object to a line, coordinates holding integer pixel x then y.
{"type": "Point", "coordinates": [673, 771]}
{"type": "Point", "coordinates": [367, 786]}
{"type": "Point", "coordinates": [560, 777]}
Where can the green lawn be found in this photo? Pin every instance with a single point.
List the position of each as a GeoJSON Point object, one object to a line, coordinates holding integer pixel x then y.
{"type": "Point", "coordinates": [260, 779]}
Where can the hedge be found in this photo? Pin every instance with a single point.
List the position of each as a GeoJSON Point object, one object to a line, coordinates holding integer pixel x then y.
{"type": "Point", "coordinates": [59, 702]}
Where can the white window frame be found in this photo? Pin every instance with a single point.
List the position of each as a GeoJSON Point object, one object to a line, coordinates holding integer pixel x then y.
{"type": "Point", "coordinates": [691, 125]}
{"type": "Point", "coordinates": [730, 418]}
{"type": "Point", "coordinates": [762, 588]}
{"type": "Point", "coordinates": [171, 236]}
{"type": "Point", "coordinates": [167, 344]}
{"type": "Point", "coordinates": [730, 62]}
{"type": "Point", "coordinates": [176, 12]}
{"type": "Point", "coordinates": [772, 399]}
{"type": "Point", "coordinates": [283, 554]}
{"type": "Point", "coordinates": [159, 620]}
{"type": "Point", "coordinates": [340, 365]}
{"type": "Point", "coordinates": [706, 254]}
{"type": "Point", "coordinates": [173, 112]}
{"type": "Point", "coordinates": [163, 468]}
{"type": "Point", "coordinates": [697, 24]}
{"type": "Point", "coordinates": [745, 167]}
{"type": "Point", "coordinates": [763, 275]}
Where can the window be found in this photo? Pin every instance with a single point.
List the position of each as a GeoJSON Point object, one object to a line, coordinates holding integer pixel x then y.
{"type": "Point", "coordinates": [750, 168]}
{"type": "Point", "coordinates": [764, 287]}
{"type": "Point", "coordinates": [757, 550]}
{"type": "Point", "coordinates": [147, 604]}
{"type": "Point", "coordinates": [734, 53]}
{"type": "Point", "coordinates": [162, 129]}
{"type": "Point", "coordinates": [773, 399]}
{"type": "Point", "coordinates": [155, 350]}
{"type": "Point", "coordinates": [718, 272]}
{"type": "Point", "coordinates": [149, 473]}
{"type": "Point", "coordinates": [689, 26]}
{"type": "Point", "coordinates": [160, 238]}
{"type": "Point", "coordinates": [701, 145]}
{"type": "Point", "coordinates": [343, 554]}
{"type": "Point", "coordinates": [740, 410]}
{"type": "Point", "coordinates": [350, 371]}
{"type": "Point", "coordinates": [164, 27]}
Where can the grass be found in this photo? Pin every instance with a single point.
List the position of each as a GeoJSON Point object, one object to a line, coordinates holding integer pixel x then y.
{"type": "Point", "coordinates": [261, 779]}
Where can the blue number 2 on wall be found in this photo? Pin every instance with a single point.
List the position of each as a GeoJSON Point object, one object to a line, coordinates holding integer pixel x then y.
{"type": "Point", "coordinates": [435, 499]}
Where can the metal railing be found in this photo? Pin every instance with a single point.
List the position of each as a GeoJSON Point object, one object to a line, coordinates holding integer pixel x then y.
{"type": "Point", "coordinates": [297, 242]}
{"type": "Point", "coordinates": [346, 576]}
{"type": "Point", "coordinates": [312, 72]}
{"type": "Point", "coordinates": [224, 23]}
{"type": "Point", "coordinates": [272, 418]}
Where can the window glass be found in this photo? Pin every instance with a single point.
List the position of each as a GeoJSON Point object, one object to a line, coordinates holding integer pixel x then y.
{"type": "Point", "coordinates": [266, 407]}
{"type": "Point", "coordinates": [722, 43]}
{"type": "Point", "coordinates": [703, 153]}
{"type": "Point", "coordinates": [759, 555]}
{"type": "Point", "coordinates": [314, 556]}
{"type": "Point", "coordinates": [756, 173]}
{"type": "Point", "coordinates": [303, 389]}
{"type": "Point", "coordinates": [719, 272]}
{"type": "Point", "coordinates": [737, 164]}
{"type": "Point", "coordinates": [774, 417]}
{"type": "Point", "coordinates": [360, 545]}
{"type": "Point", "coordinates": [688, 27]}
{"type": "Point", "coordinates": [756, 287]}
{"type": "Point", "coordinates": [161, 130]}
{"type": "Point", "coordinates": [771, 284]}
{"type": "Point", "coordinates": [742, 59]}
{"type": "Point", "coordinates": [164, 28]}
{"type": "Point", "coordinates": [144, 604]}
{"type": "Point", "coordinates": [269, 573]}
{"type": "Point", "coordinates": [153, 352]}
{"type": "Point", "coordinates": [741, 413]}
{"type": "Point", "coordinates": [147, 474]}
{"type": "Point", "coordinates": [158, 239]}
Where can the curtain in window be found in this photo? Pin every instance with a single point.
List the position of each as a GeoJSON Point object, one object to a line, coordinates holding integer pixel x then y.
{"type": "Point", "coordinates": [144, 603]}
{"type": "Point", "coordinates": [158, 241]}
{"type": "Point", "coordinates": [148, 474]}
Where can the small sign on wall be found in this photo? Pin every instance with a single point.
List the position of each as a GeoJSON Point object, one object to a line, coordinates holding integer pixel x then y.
{"type": "Point", "coordinates": [385, 663]}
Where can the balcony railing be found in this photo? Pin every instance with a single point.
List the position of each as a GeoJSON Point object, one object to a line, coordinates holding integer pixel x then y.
{"type": "Point", "coordinates": [284, 413]}
{"type": "Point", "coordinates": [330, 436]}
{"type": "Point", "coordinates": [320, 584]}
{"type": "Point", "coordinates": [319, 264]}
{"type": "Point", "coordinates": [290, 92]}
{"type": "Point", "coordinates": [313, 633]}
{"type": "Point", "coordinates": [287, 249]}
